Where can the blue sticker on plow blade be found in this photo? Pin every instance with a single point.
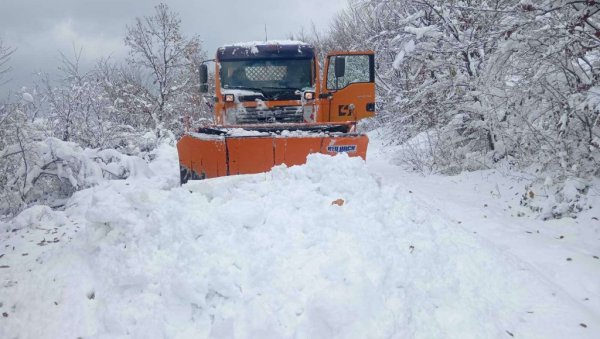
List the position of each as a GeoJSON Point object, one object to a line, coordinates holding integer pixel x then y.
{"type": "Point", "coordinates": [341, 148]}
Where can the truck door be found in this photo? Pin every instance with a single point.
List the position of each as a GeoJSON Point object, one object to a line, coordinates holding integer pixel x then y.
{"type": "Point", "coordinates": [349, 86]}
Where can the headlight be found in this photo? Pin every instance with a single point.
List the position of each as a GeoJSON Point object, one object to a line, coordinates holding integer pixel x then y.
{"type": "Point", "coordinates": [309, 95]}
{"type": "Point", "coordinates": [229, 98]}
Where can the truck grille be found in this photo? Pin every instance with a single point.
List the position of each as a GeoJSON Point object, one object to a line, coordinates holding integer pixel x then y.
{"type": "Point", "coordinates": [265, 115]}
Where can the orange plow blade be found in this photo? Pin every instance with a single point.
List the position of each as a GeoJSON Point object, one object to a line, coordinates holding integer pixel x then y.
{"type": "Point", "coordinates": [216, 151]}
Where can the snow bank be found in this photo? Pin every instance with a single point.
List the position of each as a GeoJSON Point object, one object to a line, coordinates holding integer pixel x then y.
{"type": "Point", "coordinates": [266, 255]}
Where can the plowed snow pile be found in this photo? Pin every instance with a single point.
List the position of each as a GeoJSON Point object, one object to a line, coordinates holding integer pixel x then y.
{"type": "Point", "coordinates": [266, 256]}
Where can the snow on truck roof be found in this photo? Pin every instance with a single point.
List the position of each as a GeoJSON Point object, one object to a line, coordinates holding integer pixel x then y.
{"type": "Point", "coordinates": [250, 44]}
{"type": "Point", "coordinates": [266, 49]}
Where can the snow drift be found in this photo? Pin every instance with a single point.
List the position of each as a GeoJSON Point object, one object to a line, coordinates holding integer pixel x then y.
{"type": "Point", "coordinates": [265, 256]}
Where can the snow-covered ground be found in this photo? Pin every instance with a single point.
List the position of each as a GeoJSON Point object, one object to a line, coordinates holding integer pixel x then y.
{"type": "Point", "coordinates": [271, 255]}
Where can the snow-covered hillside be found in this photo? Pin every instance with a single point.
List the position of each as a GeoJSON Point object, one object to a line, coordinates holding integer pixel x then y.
{"type": "Point", "coordinates": [338, 248]}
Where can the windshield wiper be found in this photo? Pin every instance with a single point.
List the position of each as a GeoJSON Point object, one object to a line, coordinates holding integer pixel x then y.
{"type": "Point", "coordinates": [284, 88]}
{"type": "Point", "coordinates": [259, 90]}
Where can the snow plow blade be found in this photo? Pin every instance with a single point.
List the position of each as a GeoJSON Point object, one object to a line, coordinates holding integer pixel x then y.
{"type": "Point", "coordinates": [212, 152]}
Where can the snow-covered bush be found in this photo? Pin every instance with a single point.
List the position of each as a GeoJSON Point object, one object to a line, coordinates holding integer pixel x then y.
{"type": "Point", "coordinates": [38, 168]}
{"type": "Point", "coordinates": [51, 170]}
{"type": "Point", "coordinates": [58, 139]}
{"type": "Point", "coordinates": [561, 199]}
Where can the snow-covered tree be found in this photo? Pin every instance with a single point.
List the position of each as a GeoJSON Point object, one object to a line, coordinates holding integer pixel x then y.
{"type": "Point", "coordinates": [552, 56]}
{"type": "Point", "coordinates": [430, 60]}
{"type": "Point", "coordinates": [158, 48]}
{"type": "Point", "coordinates": [65, 134]}
{"type": "Point", "coordinates": [474, 83]}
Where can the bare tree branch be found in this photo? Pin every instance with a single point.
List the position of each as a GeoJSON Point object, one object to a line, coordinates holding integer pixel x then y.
{"type": "Point", "coordinates": [5, 53]}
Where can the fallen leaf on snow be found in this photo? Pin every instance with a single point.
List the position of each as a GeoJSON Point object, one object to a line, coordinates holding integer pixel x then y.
{"type": "Point", "coordinates": [339, 202]}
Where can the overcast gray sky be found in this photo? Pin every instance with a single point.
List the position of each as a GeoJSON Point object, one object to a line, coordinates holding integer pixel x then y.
{"type": "Point", "coordinates": [41, 28]}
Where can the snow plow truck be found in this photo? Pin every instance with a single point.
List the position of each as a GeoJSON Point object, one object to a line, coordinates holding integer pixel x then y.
{"type": "Point", "coordinates": [271, 107]}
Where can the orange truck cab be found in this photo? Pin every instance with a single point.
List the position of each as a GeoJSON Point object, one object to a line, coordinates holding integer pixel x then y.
{"type": "Point", "coordinates": [272, 107]}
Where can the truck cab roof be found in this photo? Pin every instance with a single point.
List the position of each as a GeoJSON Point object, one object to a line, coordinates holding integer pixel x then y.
{"type": "Point", "coordinates": [285, 49]}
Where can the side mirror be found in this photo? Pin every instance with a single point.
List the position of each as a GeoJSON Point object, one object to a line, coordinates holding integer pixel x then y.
{"type": "Point", "coordinates": [203, 73]}
{"type": "Point", "coordinates": [340, 66]}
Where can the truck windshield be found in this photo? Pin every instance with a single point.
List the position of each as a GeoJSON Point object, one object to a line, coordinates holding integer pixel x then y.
{"type": "Point", "coordinates": [273, 78]}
